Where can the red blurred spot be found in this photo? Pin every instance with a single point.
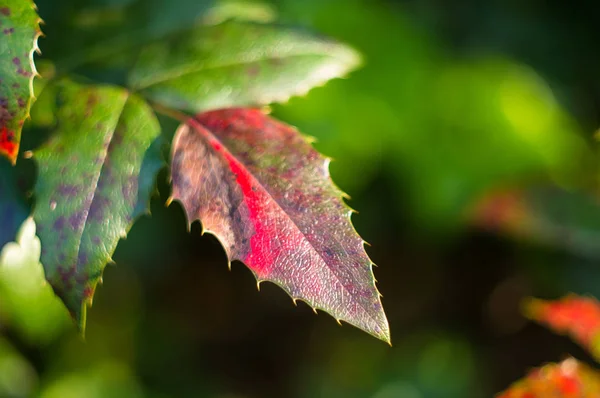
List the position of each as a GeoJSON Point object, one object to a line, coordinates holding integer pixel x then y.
{"type": "Point", "coordinates": [8, 145]}
{"type": "Point", "coordinates": [578, 316]}
{"type": "Point", "coordinates": [568, 385]}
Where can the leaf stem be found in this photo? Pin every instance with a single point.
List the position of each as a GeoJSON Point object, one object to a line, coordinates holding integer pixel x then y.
{"type": "Point", "coordinates": [172, 113]}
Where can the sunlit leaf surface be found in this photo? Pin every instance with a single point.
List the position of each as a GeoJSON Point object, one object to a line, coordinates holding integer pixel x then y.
{"type": "Point", "coordinates": [266, 194]}
{"type": "Point", "coordinates": [237, 64]}
{"type": "Point", "coordinates": [89, 187]}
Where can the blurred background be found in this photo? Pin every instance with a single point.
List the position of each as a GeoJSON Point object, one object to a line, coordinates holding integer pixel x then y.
{"type": "Point", "coordinates": [467, 143]}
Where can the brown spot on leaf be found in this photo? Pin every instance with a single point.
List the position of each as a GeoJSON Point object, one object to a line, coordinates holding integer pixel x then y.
{"type": "Point", "coordinates": [253, 71]}
{"type": "Point", "coordinates": [76, 220]}
{"type": "Point", "coordinates": [67, 190]}
{"type": "Point", "coordinates": [24, 72]}
{"type": "Point", "coordinates": [277, 61]}
{"type": "Point", "coordinates": [5, 11]}
{"type": "Point", "coordinates": [98, 210]}
{"type": "Point", "coordinates": [59, 224]}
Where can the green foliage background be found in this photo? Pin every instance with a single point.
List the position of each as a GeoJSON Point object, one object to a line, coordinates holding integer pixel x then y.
{"type": "Point", "coordinates": [454, 100]}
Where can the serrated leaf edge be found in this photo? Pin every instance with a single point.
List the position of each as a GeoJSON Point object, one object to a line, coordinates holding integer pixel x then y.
{"type": "Point", "coordinates": [145, 211]}
{"type": "Point", "coordinates": [34, 73]}
{"type": "Point", "coordinates": [385, 336]}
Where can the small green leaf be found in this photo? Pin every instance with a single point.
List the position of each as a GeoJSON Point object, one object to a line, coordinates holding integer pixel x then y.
{"type": "Point", "coordinates": [89, 188]}
{"type": "Point", "coordinates": [19, 31]}
{"type": "Point", "coordinates": [237, 64]}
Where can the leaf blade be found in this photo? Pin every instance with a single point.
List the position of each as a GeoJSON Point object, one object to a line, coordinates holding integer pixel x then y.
{"type": "Point", "coordinates": [91, 165]}
{"type": "Point", "coordinates": [266, 194]}
{"type": "Point", "coordinates": [575, 316]}
{"type": "Point", "coordinates": [19, 30]}
{"type": "Point", "coordinates": [570, 378]}
{"type": "Point", "coordinates": [237, 64]}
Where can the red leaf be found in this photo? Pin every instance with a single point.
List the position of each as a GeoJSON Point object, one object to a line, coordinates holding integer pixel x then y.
{"type": "Point", "coordinates": [568, 379]}
{"type": "Point", "coordinates": [266, 194]}
{"type": "Point", "coordinates": [579, 317]}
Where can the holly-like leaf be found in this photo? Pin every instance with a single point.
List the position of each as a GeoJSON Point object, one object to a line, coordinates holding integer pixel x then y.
{"type": "Point", "coordinates": [578, 317]}
{"type": "Point", "coordinates": [237, 64]}
{"type": "Point", "coordinates": [568, 379]}
{"type": "Point", "coordinates": [19, 32]}
{"type": "Point", "coordinates": [89, 187]}
{"type": "Point", "coordinates": [266, 194]}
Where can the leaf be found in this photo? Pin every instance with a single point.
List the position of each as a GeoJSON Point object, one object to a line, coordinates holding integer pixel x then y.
{"type": "Point", "coordinates": [544, 214]}
{"type": "Point", "coordinates": [89, 187]}
{"type": "Point", "coordinates": [19, 32]}
{"type": "Point", "coordinates": [19, 377]}
{"type": "Point", "coordinates": [237, 64]}
{"type": "Point", "coordinates": [13, 210]}
{"type": "Point", "coordinates": [28, 302]}
{"type": "Point", "coordinates": [266, 194]}
{"type": "Point", "coordinates": [90, 30]}
{"type": "Point", "coordinates": [568, 379]}
{"type": "Point", "coordinates": [578, 317]}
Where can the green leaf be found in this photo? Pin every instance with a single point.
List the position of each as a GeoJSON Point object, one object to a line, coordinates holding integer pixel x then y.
{"type": "Point", "coordinates": [89, 188]}
{"type": "Point", "coordinates": [18, 377]}
{"type": "Point", "coordinates": [28, 304]}
{"type": "Point", "coordinates": [237, 64]}
{"type": "Point", "coordinates": [91, 30]}
{"type": "Point", "coordinates": [19, 32]}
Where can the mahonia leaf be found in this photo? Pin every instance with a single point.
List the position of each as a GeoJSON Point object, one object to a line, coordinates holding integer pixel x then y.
{"type": "Point", "coordinates": [568, 379]}
{"type": "Point", "coordinates": [89, 187]}
{"type": "Point", "coordinates": [579, 317]}
{"type": "Point", "coordinates": [19, 32]}
{"type": "Point", "coordinates": [237, 64]}
{"type": "Point", "coordinates": [266, 194]}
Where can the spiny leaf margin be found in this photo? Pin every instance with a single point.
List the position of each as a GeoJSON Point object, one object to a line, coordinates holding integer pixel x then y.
{"type": "Point", "coordinates": [231, 169]}
{"type": "Point", "coordinates": [89, 189]}
{"type": "Point", "coordinates": [20, 28]}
